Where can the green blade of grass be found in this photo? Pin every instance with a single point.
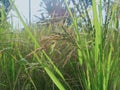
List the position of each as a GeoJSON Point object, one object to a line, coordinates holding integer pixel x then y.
{"type": "Point", "coordinates": [98, 34]}
{"type": "Point", "coordinates": [54, 78]}
{"type": "Point", "coordinates": [109, 63]}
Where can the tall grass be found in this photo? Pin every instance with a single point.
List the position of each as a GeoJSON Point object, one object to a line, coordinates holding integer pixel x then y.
{"type": "Point", "coordinates": [39, 58]}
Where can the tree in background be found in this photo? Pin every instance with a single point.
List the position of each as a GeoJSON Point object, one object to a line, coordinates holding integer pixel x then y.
{"type": "Point", "coordinates": [53, 10]}
{"type": "Point", "coordinates": [4, 8]}
{"type": "Point", "coordinates": [57, 8]}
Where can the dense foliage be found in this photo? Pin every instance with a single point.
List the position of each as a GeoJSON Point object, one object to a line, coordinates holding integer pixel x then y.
{"type": "Point", "coordinates": [47, 57]}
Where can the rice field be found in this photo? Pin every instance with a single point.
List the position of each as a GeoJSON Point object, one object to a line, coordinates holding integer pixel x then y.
{"type": "Point", "coordinates": [48, 57]}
